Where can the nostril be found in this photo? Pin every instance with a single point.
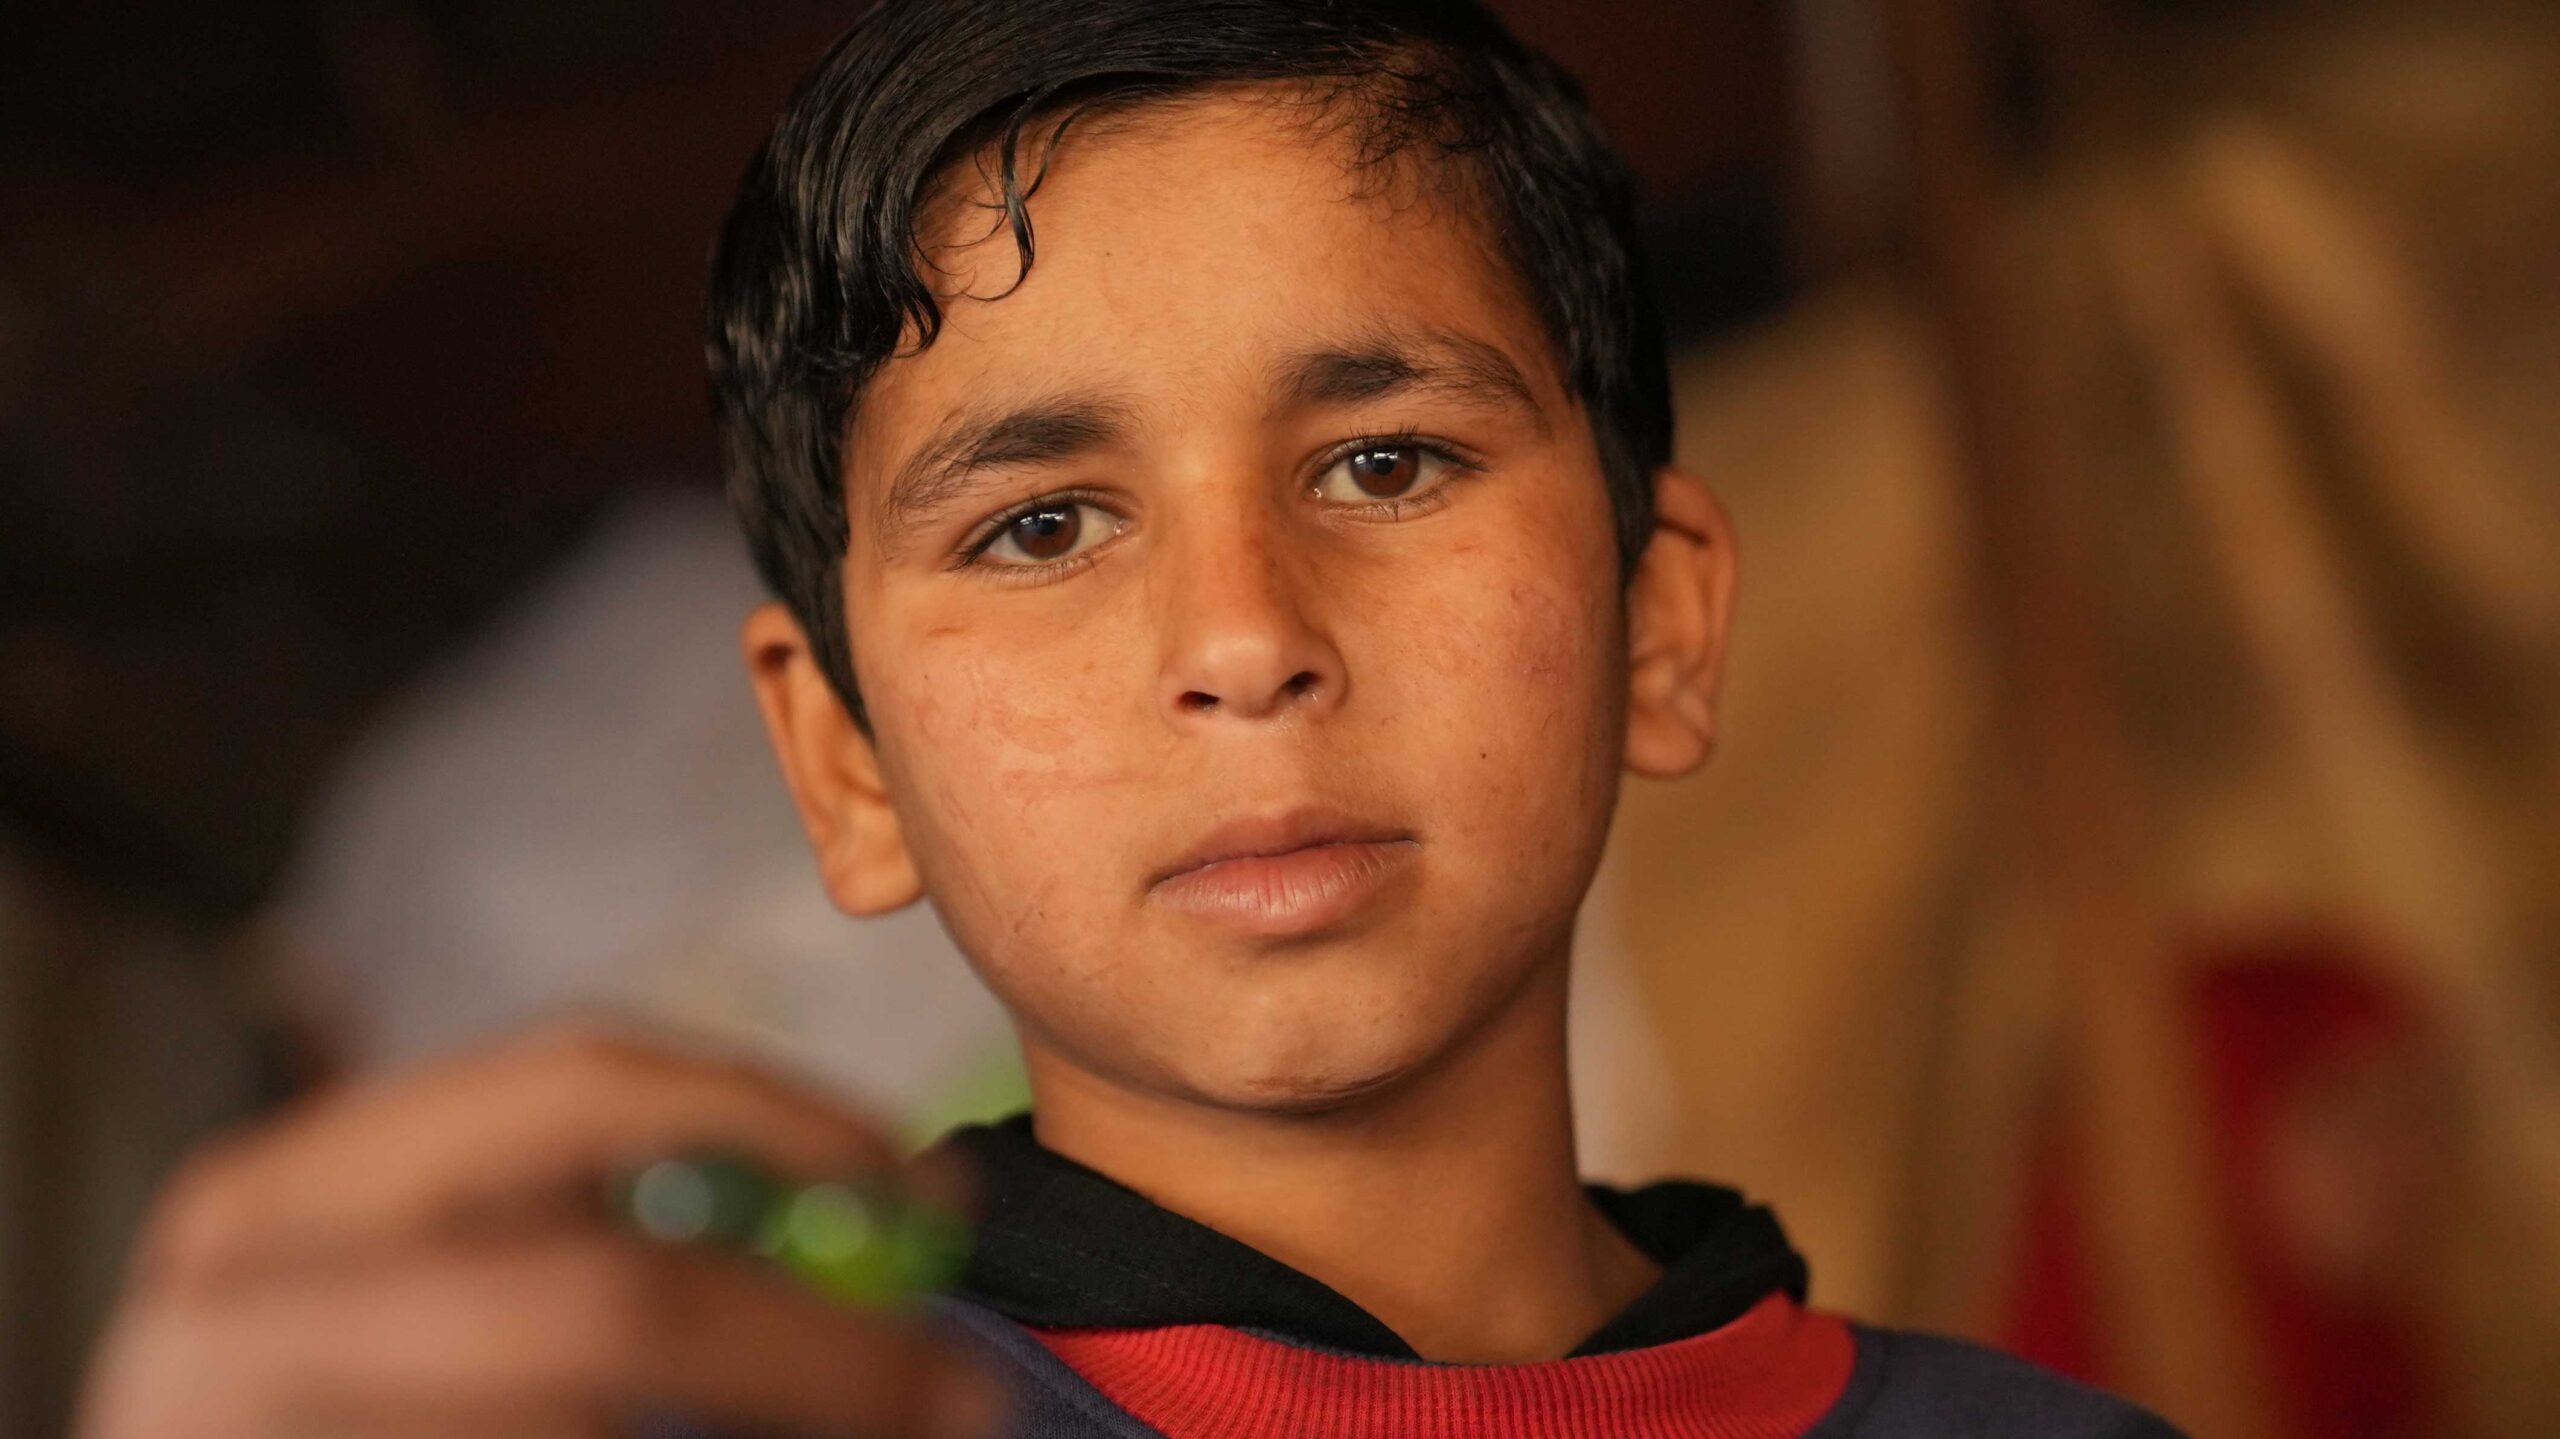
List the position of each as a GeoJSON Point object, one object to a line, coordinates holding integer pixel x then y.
{"type": "Point", "coordinates": [1198, 702]}
{"type": "Point", "coordinates": [1301, 684]}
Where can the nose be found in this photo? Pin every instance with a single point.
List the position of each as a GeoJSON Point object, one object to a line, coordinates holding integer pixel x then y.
{"type": "Point", "coordinates": [1239, 642]}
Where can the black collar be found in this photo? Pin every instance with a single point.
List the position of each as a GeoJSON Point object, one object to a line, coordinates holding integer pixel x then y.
{"type": "Point", "coordinates": [1062, 1246]}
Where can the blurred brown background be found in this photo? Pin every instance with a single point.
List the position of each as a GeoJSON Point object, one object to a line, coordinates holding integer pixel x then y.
{"type": "Point", "coordinates": [2124, 923]}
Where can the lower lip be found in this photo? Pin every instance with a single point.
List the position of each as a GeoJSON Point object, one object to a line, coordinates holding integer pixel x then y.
{"type": "Point", "coordinates": [1297, 893]}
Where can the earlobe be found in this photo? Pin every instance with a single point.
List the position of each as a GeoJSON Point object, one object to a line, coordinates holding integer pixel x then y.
{"type": "Point", "coordinates": [1678, 607]}
{"type": "Point", "coordinates": [831, 768]}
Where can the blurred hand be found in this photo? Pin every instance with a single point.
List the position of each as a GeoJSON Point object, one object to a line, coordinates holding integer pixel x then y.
{"type": "Point", "coordinates": [430, 1257]}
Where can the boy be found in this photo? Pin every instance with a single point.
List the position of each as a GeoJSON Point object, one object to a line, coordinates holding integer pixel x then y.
{"type": "Point", "coordinates": [1213, 458]}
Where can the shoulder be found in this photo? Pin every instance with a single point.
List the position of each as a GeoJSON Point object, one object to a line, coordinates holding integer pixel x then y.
{"type": "Point", "coordinates": [1921, 1386]}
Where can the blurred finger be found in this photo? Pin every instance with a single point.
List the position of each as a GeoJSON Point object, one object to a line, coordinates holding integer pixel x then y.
{"type": "Point", "coordinates": [528, 1128]}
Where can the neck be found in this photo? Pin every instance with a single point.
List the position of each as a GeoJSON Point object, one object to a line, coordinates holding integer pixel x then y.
{"type": "Point", "coordinates": [1448, 1205]}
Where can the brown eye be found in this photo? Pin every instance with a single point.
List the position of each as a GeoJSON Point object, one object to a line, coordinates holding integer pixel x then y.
{"type": "Point", "coordinates": [1048, 533]}
{"type": "Point", "coordinates": [1379, 471]}
{"type": "Point", "coordinates": [1384, 473]}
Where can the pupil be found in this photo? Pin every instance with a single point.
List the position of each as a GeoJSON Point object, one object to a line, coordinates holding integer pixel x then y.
{"type": "Point", "coordinates": [1047, 534]}
{"type": "Point", "coordinates": [1384, 472]}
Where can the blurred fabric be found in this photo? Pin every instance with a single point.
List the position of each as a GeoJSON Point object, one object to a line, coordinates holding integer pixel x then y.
{"type": "Point", "coordinates": [2312, 326]}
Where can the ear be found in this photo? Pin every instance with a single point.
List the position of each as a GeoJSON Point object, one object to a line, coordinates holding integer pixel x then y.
{"type": "Point", "coordinates": [1677, 609]}
{"type": "Point", "coordinates": [831, 767]}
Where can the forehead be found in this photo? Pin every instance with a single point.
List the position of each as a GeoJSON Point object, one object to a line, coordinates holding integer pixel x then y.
{"type": "Point", "coordinates": [1182, 249]}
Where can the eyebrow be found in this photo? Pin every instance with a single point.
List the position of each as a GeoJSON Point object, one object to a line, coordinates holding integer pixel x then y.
{"type": "Point", "coordinates": [1435, 363]}
{"type": "Point", "coordinates": [970, 446]}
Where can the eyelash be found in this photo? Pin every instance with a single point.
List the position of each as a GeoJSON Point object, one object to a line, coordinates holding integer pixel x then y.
{"type": "Point", "coordinates": [1394, 507]}
{"type": "Point", "coordinates": [971, 551]}
{"type": "Point", "coordinates": [984, 537]}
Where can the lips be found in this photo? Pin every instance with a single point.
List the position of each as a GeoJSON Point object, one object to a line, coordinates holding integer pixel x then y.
{"type": "Point", "coordinates": [1289, 874]}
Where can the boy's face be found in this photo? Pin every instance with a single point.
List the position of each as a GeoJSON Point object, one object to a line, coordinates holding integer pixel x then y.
{"type": "Point", "coordinates": [1254, 526]}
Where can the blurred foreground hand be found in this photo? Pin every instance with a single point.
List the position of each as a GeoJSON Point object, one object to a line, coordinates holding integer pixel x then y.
{"type": "Point", "coordinates": [430, 1256]}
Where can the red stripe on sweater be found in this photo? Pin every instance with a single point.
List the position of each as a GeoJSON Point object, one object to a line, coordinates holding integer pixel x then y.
{"type": "Point", "coordinates": [1767, 1375]}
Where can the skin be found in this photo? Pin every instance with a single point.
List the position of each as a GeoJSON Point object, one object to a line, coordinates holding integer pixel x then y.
{"type": "Point", "coordinates": [1379, 1100]}
{"type": "Point", "coordinates": [1381, 1103]}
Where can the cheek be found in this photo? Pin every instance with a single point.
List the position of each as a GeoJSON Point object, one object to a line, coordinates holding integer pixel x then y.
{"type": "Point", "coordinates": [990, 706]}
{"type": "Point", "coordinates": [1513, 651]}
{"type": "Point", "coordinates": [1527, 609]}
{"type": "Point", "coordinates": [1518, 654]}
{"type": "Point", "coordinates": [988, 746]}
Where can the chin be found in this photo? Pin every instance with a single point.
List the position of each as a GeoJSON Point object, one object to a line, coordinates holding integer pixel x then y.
{"type": "Point", "coordinates": [1313, 1033]}
{"type": "Point", "coordinates": [1313, 1063]}
{"type": "Point", "coordinates": [1288, 1090]}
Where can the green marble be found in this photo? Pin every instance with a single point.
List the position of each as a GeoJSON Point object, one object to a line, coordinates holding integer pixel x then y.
{"type": "Point", "coordinates": [861, 1243]}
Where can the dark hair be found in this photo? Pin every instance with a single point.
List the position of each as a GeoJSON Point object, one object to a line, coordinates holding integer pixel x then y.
{"type": "Point", "coordinates": [819, 277]}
